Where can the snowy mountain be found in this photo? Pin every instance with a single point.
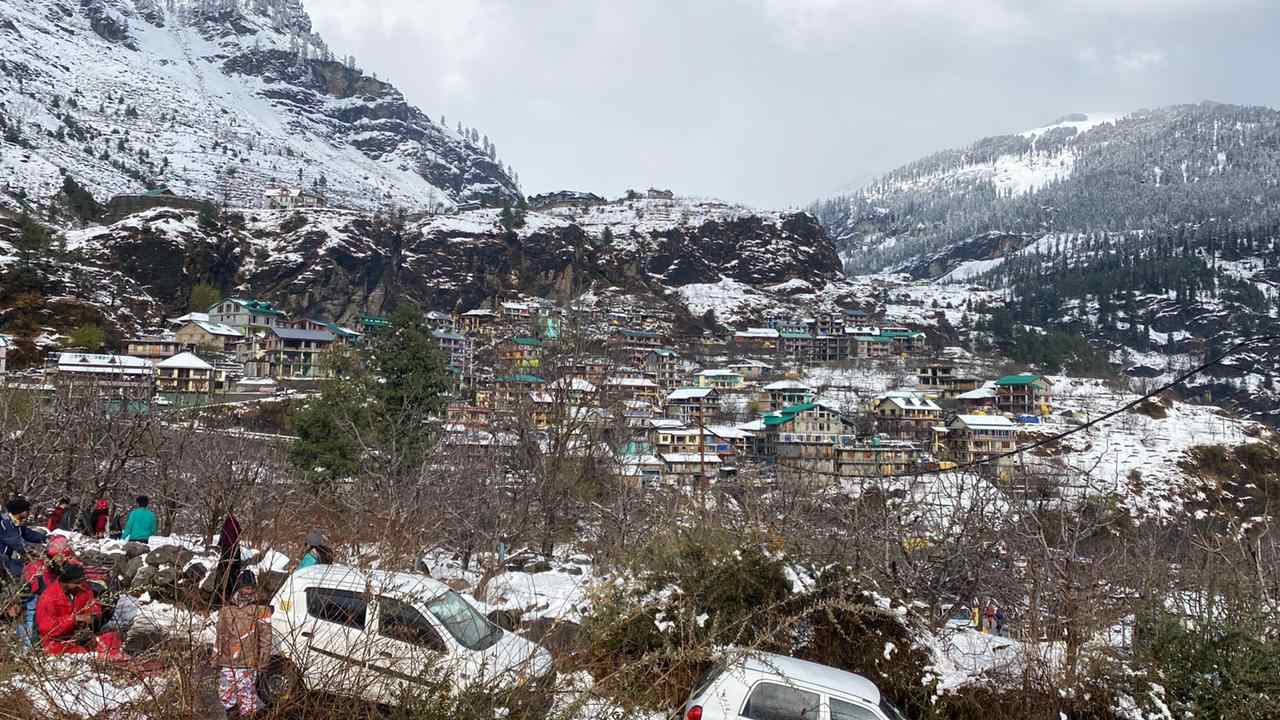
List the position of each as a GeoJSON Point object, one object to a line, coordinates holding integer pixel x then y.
{"type": "Point", "coordinates": [1153, 236]}
{"type": "Point", "coordinates": [339, 263]}
{"type": "Point", "coordinates": [1148, 170]}
{"type": "Point", "coordinates": [215, 99]}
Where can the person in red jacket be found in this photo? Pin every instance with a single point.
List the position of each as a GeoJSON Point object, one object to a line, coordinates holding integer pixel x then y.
{"type": "Point", "coordinates": [100, 517]}
{"type": "Point", "coordinates": [66, 615]}
{"type": "Point", "coordinates": [57, 513]}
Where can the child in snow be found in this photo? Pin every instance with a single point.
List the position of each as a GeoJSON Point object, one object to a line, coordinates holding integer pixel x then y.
{"type": "Point", "coordinates": [242, 647]}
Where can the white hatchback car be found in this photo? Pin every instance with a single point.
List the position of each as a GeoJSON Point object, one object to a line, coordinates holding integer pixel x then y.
{"type": "Point", "coordinates": [764, 686]}
{"type": "Point", "coordinates": [379, 636]}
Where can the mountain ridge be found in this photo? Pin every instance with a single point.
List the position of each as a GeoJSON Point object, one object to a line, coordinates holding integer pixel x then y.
{"type": "Point", "coordinates": [217, 99]}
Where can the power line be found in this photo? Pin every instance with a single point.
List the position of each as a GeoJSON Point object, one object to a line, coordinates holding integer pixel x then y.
{"type": "Point", "coordinates": [1048, 440]}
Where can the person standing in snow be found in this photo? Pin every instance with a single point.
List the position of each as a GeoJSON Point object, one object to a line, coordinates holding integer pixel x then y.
{"type": "Point", "coordinates": [989, 617]}
{"type": "Point", "coordinates": [57, 513]}
{"type": "Point", "coordinates": [141, 524]}
{"type": "Point", "coordinates": [99, 518]}
{"type": "Point", "coordinates": [1000, 618]}
{"type": "Point", "coordinates": [318, 551]}
{"type": "Point", "coordinates": [242, 647]}
{"type": "Point", "coordinates": [228, 557]}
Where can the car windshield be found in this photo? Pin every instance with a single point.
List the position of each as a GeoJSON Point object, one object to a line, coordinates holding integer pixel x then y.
{"type": "Point", "coordinates": [467, 626]}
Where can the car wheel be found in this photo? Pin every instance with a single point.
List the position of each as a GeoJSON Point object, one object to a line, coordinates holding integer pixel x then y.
{"type": "Point", "coordinates": [280, 682]}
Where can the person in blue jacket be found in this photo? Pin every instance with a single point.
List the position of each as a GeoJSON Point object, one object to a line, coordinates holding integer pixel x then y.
{"type": "Point", "coordinates": [16, 542]}
{"type": "Point", "coordinates": [141, 523]}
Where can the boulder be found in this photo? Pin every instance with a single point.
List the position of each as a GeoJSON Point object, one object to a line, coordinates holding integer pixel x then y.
{"type": "Point", "coordinates": [506, 619]}
{"type": "Point", "coordinates": [538, 566]}
{"type": "Point", "coordinates": [166, 577]}
{"type": "Point", "coordinates": [134, 549]}
{"type": "Point", "coordinates": [144, 576]}
{"type": "Point", "coordinates": [580, 559]}
{"type": "Point", "coordinates": [571, 570]}
{"type": "Point", "coordinates": [131, 568]}
{"type": "Point", "coordinates": [170, 555]}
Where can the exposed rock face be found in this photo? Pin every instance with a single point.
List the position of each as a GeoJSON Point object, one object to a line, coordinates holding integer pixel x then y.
{"type": "Point", "coordinates": [338, 264]}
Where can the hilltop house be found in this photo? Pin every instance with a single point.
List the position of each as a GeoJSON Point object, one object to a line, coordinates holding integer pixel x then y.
{"type": "Point", "coordinates": [630, 339]}
{"type": "Point", "coordinates": [756, 340]}
{"type": "Point", "coordinates": [290, 198]}
{"type": "Point", "coordinates": [940, 380]}
{"type": "Point", "coordinates": [633, 388]}
{"type": "Point", "coordinates": [1024, 394]}
{"type": "Point", "coordinates": [239, 314]}
{"type": "Point", "coordinates": [479, 320]}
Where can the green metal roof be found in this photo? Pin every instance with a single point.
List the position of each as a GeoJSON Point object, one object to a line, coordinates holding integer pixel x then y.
{"type": "Point", "coordinates": [793, 335]}
{"type": "Point", "coordinates": [374, 321]}
{"type": "Point", "coordinates": [1020, 379]}
{"type": "Point", "coordinates": [900, 333]}
{"type": "Point", "coordinates": [518, 379]}
{"type": "Point", "coordinates": [873, 338]}
{"type": "Point", "coordinates": [638, 333]}
{"type": "Point", "coordinates": [527, 341]}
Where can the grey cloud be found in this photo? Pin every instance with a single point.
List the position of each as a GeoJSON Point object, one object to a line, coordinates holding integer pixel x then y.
{"type": "Point", "coordinates": [776, 102]}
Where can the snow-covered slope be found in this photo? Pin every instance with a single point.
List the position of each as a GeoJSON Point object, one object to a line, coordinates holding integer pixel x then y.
{"type": "Point", "coordinates": [216, 99]}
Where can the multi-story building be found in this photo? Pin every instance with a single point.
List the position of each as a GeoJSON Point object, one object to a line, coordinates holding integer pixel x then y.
{"type": "Point", "coordinates": [664, 365]}
{"type": "Point", "coordinates": [480, 320]}
{"type": "Point", "coordinates": [631, 339]}
{"type": "Point", "coordinates": [510, 392]}
{"type": "Point", "coordinates": [187, 374]}
{"type": "Point", "coordinates": [239, 313]}
{"type": "Point", "coordinates": [691, 468]}
{"type": "Point", "coordinates": [876, 457]}
{"type": "Point", "coordinates": [154, 348]}
{"type": "Point", "coordinates": [125, 384]}
{"type": "Point", "coordinates": [292, 354]}
{"type": "Point", "coordinates": [459, 350]}
{"type": "Point", "coordinates": [719, 378]}
{"type": "Point", "coordinates": [693, 405]}
{"type": "Point", "coordinates": [519, 354]}
{"type": "Point", "coordinates": [905, 415]}
{"type": "Point", "coordinates": [939, 379]}
{"type": "Point", "coordinates": [633, 388]}
{"type": "Point", "coordinates": [870, 347]}
{"type": "Point", "coordinates": [1024, 394]}
{"type": "Point", "coordinates": [904, 341]}
{"type": "Point", "coordinates": [761, 340]}
{"type": "Point", "coordinates": [784, 393]}
{"type": "Point", "coordinates": [751, 370]}
{"type": "Point", "coordinates": [974, 438]}
{"type": "Point", "coordinates": [208, 335]}
{"type": "Point", "coordinates": [4, 357]}
{"type": "Point", "coordinates": [802, 438]}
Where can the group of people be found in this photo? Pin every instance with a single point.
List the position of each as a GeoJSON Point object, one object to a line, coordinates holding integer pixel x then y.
{"type": "Point", "coordinates": [56, 606]}
{"type": "Point", "coordinates": [140, 523]}
{"type": "Point", "coordinates": [988, 618]}
{"type": "Point", "coordinates": [59, 610]}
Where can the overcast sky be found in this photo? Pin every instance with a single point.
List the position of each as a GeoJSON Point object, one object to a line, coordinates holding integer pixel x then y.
{"type": "Point", "coordinates": [777, 102]}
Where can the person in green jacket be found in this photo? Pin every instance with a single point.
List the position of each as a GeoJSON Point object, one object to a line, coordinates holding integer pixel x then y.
{"type": "Point", "coordinates": [141, 523]}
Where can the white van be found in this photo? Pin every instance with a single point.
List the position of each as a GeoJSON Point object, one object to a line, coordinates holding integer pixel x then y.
{"type": "Point", "coordinates": [764, 686]}
{"type": "Point", "coordinates": [379, 635]}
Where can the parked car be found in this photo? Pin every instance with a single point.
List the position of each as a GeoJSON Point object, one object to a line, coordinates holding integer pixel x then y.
{"type": "Point", "coordinates": [377, 635]}
{"type": "Point", "coordinates": [765, 686]}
